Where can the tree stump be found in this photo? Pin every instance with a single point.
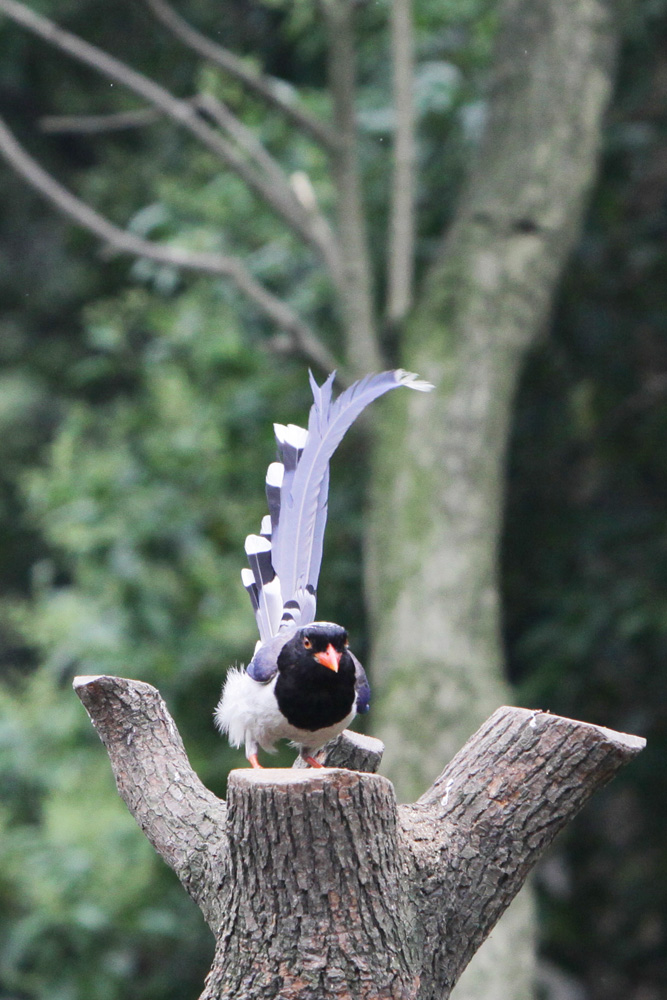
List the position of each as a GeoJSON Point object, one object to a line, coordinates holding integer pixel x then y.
{"type": "Point", "coordinates": [317, 895]}
{"type": "Point", "coordinates": [315, 883]}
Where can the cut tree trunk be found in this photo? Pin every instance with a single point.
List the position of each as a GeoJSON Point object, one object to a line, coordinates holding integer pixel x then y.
{"type": "Point", "coordinates": [315, 884]}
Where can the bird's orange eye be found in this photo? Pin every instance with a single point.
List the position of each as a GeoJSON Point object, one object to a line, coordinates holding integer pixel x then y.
{"type": "Point", "coordinates": [307, 644]}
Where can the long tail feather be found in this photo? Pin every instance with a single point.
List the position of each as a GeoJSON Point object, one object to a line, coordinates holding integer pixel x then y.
{"type": "Point", "coordinates": [291, 441]}
{"type": "Point", "coordinates": [285, 558]}
{"type": "Point", "coordinates": [301, 527]}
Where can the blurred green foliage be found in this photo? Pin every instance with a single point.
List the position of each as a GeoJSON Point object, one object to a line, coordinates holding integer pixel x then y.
{"type": "Point", "coordinates": [136, 406]}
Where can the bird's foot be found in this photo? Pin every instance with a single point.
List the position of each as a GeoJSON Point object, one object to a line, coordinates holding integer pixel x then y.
{"type": "Point", "coordinates": [252, 757]}
{"type": "Point", "coordinates": [313, 762]}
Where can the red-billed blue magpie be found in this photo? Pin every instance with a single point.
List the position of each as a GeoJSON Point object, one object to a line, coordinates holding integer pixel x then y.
{"type": "Point", "coordinates": [303, 683]}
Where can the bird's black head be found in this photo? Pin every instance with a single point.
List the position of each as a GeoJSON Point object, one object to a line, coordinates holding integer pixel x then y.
{"type": "Point", "coordinates": [320, 642]}
{"type": "Point", "coordinates": [316, 677]}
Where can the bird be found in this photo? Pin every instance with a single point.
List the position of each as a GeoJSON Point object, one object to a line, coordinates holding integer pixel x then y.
{"type": "Point", "coordinates": [303, 683]}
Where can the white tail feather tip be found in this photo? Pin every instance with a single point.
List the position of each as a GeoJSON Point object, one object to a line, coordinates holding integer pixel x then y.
{"type": "Point", "coordinates": [274, 474]}
{"type": "Point", "coordinates": [256, 543]}
{"type": "Point", "coordinates": [291, 434]}
{"type": "Point", "coordinates": [412, 381]}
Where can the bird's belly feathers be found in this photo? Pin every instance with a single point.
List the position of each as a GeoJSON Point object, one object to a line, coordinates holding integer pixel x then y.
{"type": "Point", "coordinates": [248, 710]}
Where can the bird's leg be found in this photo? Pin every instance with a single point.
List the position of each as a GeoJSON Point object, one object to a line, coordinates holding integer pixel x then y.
{"type": "Point", "coordinates": [313, 762]}
{"type": "Point", "coordinates": [252, 757]}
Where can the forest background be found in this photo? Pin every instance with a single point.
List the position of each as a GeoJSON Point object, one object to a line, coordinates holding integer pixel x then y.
{"type": "Point", "coordinates": [136, 405]}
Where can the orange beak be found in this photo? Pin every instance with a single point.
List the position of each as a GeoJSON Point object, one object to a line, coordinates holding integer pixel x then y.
{"type": "Point", "coordinates": [330, 658]}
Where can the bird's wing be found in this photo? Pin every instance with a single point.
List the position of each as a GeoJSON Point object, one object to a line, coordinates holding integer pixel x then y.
{"type": "Point", "coordinates": [361, 686]}
{"type": "Point", "coordinates": [264, 665]}
{"type": "Point", "coordinates": [285, 558]}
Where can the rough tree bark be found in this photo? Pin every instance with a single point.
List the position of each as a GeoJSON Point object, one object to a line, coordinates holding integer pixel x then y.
{"type": "Point", "coordinates": [315, 884]}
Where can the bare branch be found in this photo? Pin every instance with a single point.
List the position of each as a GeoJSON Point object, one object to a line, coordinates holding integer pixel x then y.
{"type": "Point", "coordinates": [139, 117]}
{"type": "Point", "coordinates": [302, 338]}
{"type": "Point", "coordinates": [244, 136]}
{"type": "Point", "coordinates": [498, 805]}
{"type": "Point", "coordinates": [229, 123]}
{"type": "Point", "coordinates": [93, 124]}
{"type": "Point", "coordinates": [183, 820]}
{"type": "Point", "coordinates": [402, 218]}
{"type": "Point", "coordinates": [357, 301]}
{"type": "Point", "coordinates": [266, 87]}
{"type": "Point", "coordinates": [282, 201]}
{"type": "Point", "coordinates": [248, 141]}
{"type": "Point", "coordinates": [250, 144]}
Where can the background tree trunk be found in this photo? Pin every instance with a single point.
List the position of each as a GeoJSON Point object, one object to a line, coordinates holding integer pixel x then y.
{"type": "Point", "coordinates": [437, 489]}
{"type": "Point", "coordinates": [437, 494]}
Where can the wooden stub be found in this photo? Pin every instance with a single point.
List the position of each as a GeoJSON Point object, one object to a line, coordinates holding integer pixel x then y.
{"type": "Point", "coordinates": [318, 907]}
{"type": "Point", "coordinates": [353, 751]}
